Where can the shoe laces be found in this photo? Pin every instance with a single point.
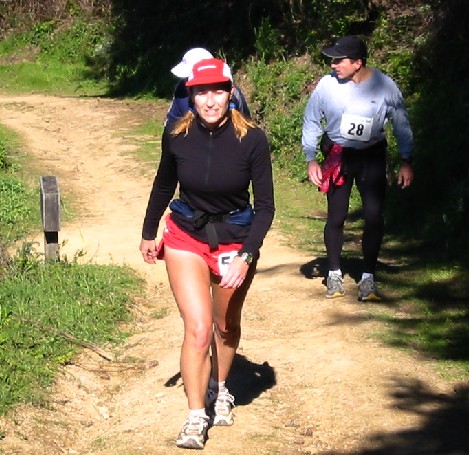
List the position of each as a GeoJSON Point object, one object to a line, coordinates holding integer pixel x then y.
{"type": "Point", "coordinates": [194, 425]}
{"type": "Point", "coordinates": [224, 402]}
{"type": "Point", "coordinates": [334, 282]}
{"type": "Point", "coordinates": [367, 284]}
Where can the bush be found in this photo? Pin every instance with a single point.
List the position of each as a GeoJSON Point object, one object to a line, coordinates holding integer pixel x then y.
{"type": "Point", "coordinates": [281, 90]}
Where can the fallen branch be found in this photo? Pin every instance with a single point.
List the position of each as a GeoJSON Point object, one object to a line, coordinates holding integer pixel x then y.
{"type": "Point", "coordinates": [72, 339]}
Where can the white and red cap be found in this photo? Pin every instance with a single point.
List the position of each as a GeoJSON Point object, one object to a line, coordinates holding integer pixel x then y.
{"type": "Point", "coordinates": [209, 71]}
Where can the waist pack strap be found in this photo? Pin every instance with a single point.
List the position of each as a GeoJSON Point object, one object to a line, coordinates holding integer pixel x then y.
{"type": "Point", "coordinates": [201, 219]}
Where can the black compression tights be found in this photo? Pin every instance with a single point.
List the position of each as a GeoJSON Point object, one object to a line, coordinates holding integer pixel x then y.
{"type": "Point", "coordinates": [369, 174]}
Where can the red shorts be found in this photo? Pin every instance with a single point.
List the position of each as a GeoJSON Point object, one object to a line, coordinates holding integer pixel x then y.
{"type": "Point", "coordinates": [217, 260]}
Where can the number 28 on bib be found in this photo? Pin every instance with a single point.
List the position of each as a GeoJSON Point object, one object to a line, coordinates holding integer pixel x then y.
{"type": "Point", "coordinates": [355, 127]}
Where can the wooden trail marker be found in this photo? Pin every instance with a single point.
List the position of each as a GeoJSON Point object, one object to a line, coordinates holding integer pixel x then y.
{"type": "Point", "coordinates": [50, 213]}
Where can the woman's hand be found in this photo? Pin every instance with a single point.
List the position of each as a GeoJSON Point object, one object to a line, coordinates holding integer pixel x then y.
{"type": "Point", "coordinates": [148, 250]}
{"type": "Point", "coordinates": [236, 273]}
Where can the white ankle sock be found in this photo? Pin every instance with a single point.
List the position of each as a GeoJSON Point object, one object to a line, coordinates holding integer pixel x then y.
{"type": "Point", "coordinates": [197, 413]}
{"type": "Point", "coordinates": [222, 386]}
{"type": "Point", "coordinates": [337, 272]}
{"type": "Point", "coordinates": [367, 275]}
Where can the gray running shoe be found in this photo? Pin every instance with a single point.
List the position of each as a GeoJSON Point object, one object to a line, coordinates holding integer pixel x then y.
{"type": "Point", "coordinates": [194, 433]}
{"type": "Point", "coordinates": [220, 405]}
{"type": "Point", "coordinates": [367, 291]}
{"type": "Point", "coordinates": [335, 287]}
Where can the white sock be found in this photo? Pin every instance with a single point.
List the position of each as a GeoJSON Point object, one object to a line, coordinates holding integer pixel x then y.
{"type": "Point", "coordinates": [197, 413]}
{"type": "Point", "coordinates": [367, 275]}
{"type": "Point", "coordinates": [337, 272]}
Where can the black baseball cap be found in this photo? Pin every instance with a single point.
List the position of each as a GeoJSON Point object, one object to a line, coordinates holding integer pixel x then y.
{"type": "Point", "coordinates": [347, 47]}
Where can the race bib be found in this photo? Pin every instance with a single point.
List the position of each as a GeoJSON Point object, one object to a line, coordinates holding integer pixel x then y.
{"type": "Point", "coordinates": [224, 260]}
{"type": "Point", "coordinates": [355, 127]}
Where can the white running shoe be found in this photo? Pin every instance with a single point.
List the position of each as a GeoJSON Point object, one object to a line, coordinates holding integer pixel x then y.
{"type": "Point", "coordinates": [194, 433]}
{"type": "Point", "coordinates": [220, 406]}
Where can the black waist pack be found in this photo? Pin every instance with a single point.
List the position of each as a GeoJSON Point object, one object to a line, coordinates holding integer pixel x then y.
{"type": "Point", "coordinates": [200, 218]}
{"type": "Point", "coordinates": [242, 217]}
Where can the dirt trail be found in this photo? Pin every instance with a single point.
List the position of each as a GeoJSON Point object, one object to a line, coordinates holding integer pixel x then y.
{"type": "Point", "coordinates": [309, 378]}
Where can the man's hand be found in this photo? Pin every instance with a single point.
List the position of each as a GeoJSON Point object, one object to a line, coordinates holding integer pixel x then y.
{"type": "Point", "coordinates": [314, 172]}
{"type": "Point", "coordinates": [405, 175]}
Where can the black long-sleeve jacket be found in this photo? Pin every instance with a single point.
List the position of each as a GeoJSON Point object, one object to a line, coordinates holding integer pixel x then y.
{"type": "Point", "coordinates": [214, 171]}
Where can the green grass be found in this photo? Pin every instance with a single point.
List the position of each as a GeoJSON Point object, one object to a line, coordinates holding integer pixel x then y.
{"type": "Point", "coordinates": [51, 58]}
{"type": "Point", "coordinates": [47, 312]}
{"type": "Point", "coordinates": [49, 77]}
{"type": "Point", "coordinates": [427, 312]}
{"type": "Point", "coordinates": [301, 213]}
{"type": "Point", "coordinates": [18, 199]}
{"type": "Point", "coordinates": [147, 137]}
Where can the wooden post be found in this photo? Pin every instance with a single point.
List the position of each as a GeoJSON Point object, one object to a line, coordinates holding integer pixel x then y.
{"type": "Point", "coordinates": [50, 213]}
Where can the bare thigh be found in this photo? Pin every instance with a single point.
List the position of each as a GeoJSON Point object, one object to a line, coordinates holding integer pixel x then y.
{"type": "Point", "coordinates": [189, 277]}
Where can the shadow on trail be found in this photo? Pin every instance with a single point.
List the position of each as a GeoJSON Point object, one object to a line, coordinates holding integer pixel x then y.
{"type": "Point", "coordinates": [444, 428]}
{"type": "Point", "coordinates": [352, 266]}
{"type": "Point", "coordinates": [434, 312]}
{"type": "Point", "coordinates": [247, 379]}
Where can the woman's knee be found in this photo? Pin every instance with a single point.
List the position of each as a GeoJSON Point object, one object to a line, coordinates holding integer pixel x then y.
{"type": "Point", "coordinates": [199, 335]}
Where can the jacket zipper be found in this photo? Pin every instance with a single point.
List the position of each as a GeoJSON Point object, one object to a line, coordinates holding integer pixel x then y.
{"type": "Point", "coordinates": [209, 160]}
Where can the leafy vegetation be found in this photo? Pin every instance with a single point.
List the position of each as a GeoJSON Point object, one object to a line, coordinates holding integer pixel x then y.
{"type": "Point", "coordinates": [18, 202]}
{"type": "Point", "coordinates": [47, 312]}
{"type": "Point", "coordinates": [52, 57]}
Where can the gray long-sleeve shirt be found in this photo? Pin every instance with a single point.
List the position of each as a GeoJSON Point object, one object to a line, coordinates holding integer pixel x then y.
{"type": "Point", "coordinates": [355, 114]}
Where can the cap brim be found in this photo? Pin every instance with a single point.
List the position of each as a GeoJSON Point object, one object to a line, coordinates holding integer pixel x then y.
{"type": "Point", "coordinates": [332, 52]}
{"type": "Point", "coordinates": [181, 70]}
{"type": "Point", "coordinates": [206, 81]}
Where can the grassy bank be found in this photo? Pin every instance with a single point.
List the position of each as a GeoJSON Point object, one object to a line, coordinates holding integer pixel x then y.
{"type": "Point", "coordinates": [48, 310]}
{"type": "Point", "coordinates": [51, 311]}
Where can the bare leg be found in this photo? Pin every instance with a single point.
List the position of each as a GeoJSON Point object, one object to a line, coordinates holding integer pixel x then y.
{"type": "Point", "coordinates": [227, 307]}
{"type": "Point", "coordinates": [189, 277]}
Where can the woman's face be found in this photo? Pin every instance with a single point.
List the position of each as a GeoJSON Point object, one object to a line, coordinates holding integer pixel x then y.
{"type": "Point", "coordinates": [211, 103]}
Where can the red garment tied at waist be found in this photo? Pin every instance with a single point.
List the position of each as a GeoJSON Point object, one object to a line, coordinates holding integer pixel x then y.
{"type": "Point", "coordinates": [331, 168]}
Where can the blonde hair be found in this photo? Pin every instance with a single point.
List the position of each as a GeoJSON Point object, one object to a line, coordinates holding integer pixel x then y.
{"type": "Point", "coordinates": [241, 124]}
